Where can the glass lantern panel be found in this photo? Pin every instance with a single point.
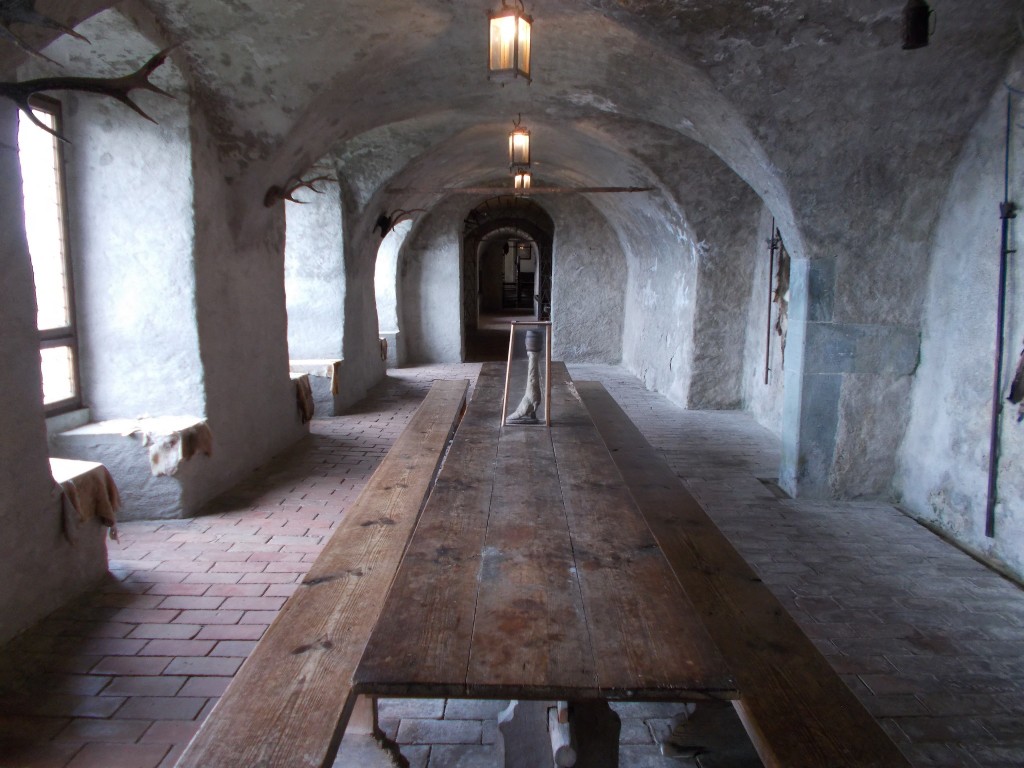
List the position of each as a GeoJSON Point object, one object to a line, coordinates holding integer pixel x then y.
{"type": "Point", "coordinates": [519, 147]}
{"type": "Point", "coordinates": [503, 43]}
{"type": "Point", "coordinates": [524, 46]}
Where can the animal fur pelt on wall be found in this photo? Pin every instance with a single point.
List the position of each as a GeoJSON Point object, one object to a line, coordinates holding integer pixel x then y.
{"type": "Point", "coordinates": [1016, 395]}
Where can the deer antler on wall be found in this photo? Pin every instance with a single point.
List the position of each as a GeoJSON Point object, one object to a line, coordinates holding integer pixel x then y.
{"type": "Point", "coordinates": [387, 221]}
{"type": "Point", "coordinates": [293, 185]}
{"type": "Point", "coordinates": [114, 87]}
{"type": "Point", "coordinates": [24, 12]}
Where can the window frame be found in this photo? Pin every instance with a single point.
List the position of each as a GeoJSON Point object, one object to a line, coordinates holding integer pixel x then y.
{"type": "Point", "coordinates": [66, 336]}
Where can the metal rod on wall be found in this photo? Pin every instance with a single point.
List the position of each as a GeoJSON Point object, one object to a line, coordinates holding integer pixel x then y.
{"type": "Point", "coordinates": [772, 244]}
{"type": "Point", "coordinates": [1007, 211]}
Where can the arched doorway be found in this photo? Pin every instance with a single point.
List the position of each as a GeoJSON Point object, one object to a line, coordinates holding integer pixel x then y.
{"type": "Point", "coordinates": [386, 290]}
{"type": "Point", "coordinates": [507, 267]}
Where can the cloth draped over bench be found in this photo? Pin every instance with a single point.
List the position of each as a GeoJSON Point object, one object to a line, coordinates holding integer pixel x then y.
{"type": "Point", "coordinates": [172, 440]}
{"type": "Point", "coordinates": [326, 368]}
{"type": "Point", "coordinates": [88, 492]}
{"type": "Point", "coordinates": [304, 396]}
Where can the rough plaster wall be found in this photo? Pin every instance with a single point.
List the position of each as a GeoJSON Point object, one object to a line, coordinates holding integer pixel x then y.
{"type": "Point", "coordinates": [657, 339]}
{"type": "Point", "coordinates": [943, 461]}
{"type": "Point", "coordinates": [314, 274]}
{"type": "Point", "coordinates": [430, 314]}
{"type": "Point", "coordinates": [39, 569]}
{"type": "Point", "coordinates": [725, 273]}
{"type": "Point", "coordinates": [131, 214]}
{"type": "Point", "coordinates": [858, 440]}
{"type": "Point", "coordinates": [131, 227]}
{"type": "Point", "coordinates": [693, 281]}
{"type": "Point", "coordinates": [588, 262]}
{"type": "Point", "coordinates": [762, 401]}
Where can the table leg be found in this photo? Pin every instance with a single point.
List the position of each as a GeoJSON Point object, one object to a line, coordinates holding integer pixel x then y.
{"type": "Point", "coordinates": [364, 744]}
{"type": "Point", "coordinates": [526, 740]}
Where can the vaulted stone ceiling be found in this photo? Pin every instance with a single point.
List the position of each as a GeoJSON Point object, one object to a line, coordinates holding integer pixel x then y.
{"type": "Point", "coordinates": [810, 107]}
{"type": "Point", "coordinates": [804, 100]}
{"type": "Point", "coordinates": [813, 104]}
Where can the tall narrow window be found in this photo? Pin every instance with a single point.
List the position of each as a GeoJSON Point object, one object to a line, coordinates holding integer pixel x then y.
{"type": "Point", "coordinates": [45, 224]}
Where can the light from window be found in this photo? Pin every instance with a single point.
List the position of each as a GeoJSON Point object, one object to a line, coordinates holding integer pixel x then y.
{"type": "Point", "coordinates": [44, 226]}
{"type": "Point", "coordinates": [58, 374]}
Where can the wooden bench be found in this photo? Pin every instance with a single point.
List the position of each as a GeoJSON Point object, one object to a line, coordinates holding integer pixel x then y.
{"type": "Point", "coordinates": [292, 698]}
{"type": "Point", "coordinates": [796, 709]}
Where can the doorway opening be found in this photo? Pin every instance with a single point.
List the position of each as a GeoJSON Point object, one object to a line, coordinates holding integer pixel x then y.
{"type": "Point", "coordinates": [507, 268]}
{"type": "Point", "coordinates": [386, 293]}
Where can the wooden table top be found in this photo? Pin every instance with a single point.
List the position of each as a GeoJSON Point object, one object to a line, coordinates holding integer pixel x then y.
{"type": "Point", "coordinates": [532, 575]}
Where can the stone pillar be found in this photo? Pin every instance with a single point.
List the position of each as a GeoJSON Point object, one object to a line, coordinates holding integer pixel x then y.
{"type": "Point", "coordinates": [811, 399]}
{"type": "Point", "coordinates": [846, 393]}
{"type": "Point", "coordinates": [39, 567]}
{"type": "Point", "coordinates": [314, 281]}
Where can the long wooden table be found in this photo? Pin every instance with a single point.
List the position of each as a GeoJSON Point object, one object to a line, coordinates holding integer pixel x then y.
{"type": "Point", "coordinates": [536, 564]}
{"type": "Point", "coordinates": [532, 574]}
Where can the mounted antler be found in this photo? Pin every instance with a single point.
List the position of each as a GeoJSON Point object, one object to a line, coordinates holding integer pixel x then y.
{"type": "Point", "coordinates": [386, 222]}
{"type": "Point", "coordinates": [293, 185]}
{"type": "Point", "coordinates": [24, 12]}
{"type": "Point", "coordinates": [114, 87]}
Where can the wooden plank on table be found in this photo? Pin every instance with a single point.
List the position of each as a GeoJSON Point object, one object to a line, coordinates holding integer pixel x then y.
{"type": "Point", "coordinates": [796, 709]}
{"type": "Point", "coordinates": [421, 644]}
{"type": "Point", "coordinates": [648, 640]}
{"type": "Point", "coordinates": [530, 638]}
{"type": "Point", "coordinates": [481, 605]}
{"type": "Point", "coordinates": [290, 701]}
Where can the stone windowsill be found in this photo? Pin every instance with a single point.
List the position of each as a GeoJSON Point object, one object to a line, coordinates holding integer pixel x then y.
{"type": "Point", "coordinates": [65, 421]}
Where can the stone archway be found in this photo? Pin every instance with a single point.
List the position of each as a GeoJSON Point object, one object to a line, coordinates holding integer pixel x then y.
{"type": "Point", "coordinates": [504, 218]}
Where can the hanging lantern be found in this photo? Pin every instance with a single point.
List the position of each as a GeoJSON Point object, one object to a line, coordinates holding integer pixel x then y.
{"type": "Point", "coordinates": [916, 24]}
{"type": "Point", "coordinates": [519, 146]}
{"type": "Point", "coordinates": [510, 42]}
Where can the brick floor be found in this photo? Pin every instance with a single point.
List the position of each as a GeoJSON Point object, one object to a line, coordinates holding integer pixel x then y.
{"type": "Point", "coordinates": [931, 641]}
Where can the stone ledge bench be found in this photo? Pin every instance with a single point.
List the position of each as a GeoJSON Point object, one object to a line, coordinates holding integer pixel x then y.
{"type": "Point", "coordinates": [158, 462]}
{"type": "Point", "coordinates": [325, 383]}
{"type": "Point", "coordinates": [88, 493]}
{"type": "Point", "coordinates": [87, 501]}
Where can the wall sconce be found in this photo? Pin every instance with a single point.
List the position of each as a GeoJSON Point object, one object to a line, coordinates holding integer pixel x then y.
{"type": "Point", "coordinates": [916, 24]}
{"type": "Point", "coordinates": [518, 147]}
{"type": "Point", "coordinates": [510, 43]}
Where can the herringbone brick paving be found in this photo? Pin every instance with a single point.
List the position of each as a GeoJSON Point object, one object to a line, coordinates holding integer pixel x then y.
{"type": "Point", "coordinates": [929, 639]}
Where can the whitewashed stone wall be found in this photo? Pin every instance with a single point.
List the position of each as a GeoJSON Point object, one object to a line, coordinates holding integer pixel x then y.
{"type": "Point", "coordinates": [943, 461]}
{"type": "Point", "coordinates": [314, 273]}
